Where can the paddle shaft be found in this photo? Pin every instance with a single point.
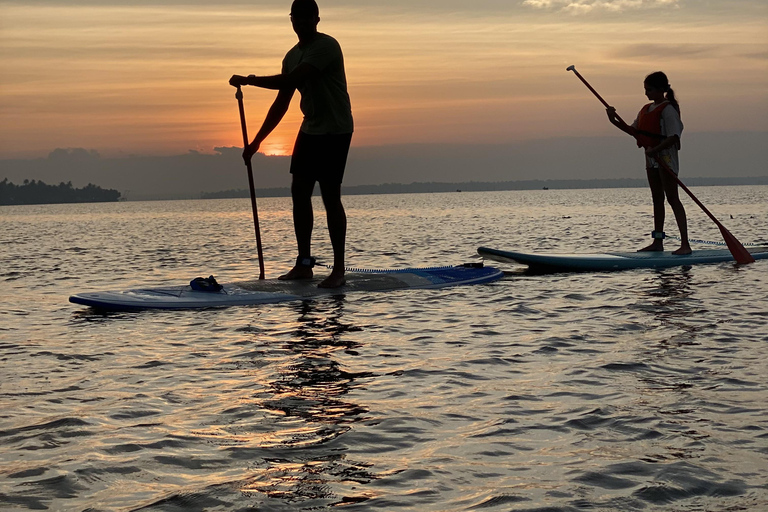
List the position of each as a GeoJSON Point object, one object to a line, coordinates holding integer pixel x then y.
{"type": "Point", "coordinates": [739, 252]}
{"type": "Point", "coordinates": [239, 96]}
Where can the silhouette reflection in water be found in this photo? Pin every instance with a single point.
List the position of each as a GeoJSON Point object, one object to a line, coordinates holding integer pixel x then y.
{"type": "Point", "coordinates": [306, 461]}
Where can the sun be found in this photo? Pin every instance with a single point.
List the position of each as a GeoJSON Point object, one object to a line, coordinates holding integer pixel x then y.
{"type": "Point", "coordinates": [276, 148]}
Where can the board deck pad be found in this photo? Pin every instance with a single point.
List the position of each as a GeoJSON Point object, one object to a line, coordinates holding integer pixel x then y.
{"type": "Point", "coordinates": [270, 291]}
{"type": "Point", "coordinates": [613, 260]}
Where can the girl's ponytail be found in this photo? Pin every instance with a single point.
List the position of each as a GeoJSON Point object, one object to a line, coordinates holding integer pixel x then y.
{"type": "Point", "coordinates": [672, 100]}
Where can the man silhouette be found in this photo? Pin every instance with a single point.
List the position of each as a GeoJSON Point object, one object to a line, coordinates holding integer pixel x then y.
{"type": "Point", "coordinates": [315, 66]}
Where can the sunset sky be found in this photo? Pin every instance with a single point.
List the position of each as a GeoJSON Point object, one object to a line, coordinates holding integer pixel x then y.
{"type": "Point", "coordinates": [150, 78]}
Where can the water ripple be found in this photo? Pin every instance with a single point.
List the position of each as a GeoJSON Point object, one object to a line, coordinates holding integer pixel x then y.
{"type": "Point", "coordinates": [640, 390]}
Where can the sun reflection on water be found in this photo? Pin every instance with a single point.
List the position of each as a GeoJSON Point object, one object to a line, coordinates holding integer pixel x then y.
{"type": "Point", "coordinates": [305, 407]}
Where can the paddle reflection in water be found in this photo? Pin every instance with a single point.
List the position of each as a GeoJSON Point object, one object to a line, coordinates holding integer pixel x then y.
{"type": "Point", "coordinates": [303, 462]}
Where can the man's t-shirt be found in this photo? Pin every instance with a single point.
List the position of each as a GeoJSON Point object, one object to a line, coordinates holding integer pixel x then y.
{"type": "Point", "coordinates": [324, 98]}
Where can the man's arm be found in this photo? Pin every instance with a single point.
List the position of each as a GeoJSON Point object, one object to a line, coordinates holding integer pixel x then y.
{"type": "Point", "coordinates": [274, 116]}
{"type": "Point", "coordinates": [286, 84]}
{"type": "Point", "coordinates": [291, 80]}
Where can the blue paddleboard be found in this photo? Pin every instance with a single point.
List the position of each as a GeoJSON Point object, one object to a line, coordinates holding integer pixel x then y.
{"type": "Point", "coordinates": [612, 260]}
{"type": "Point", "coordinates": [269, 291]}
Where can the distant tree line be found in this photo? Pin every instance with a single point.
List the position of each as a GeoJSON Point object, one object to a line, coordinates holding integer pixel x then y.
{"type": "Point", "coordinates": [486, 186]}
{"type": "Point", "coordinates": [37, 192]}
{"type": "Point", "coordinates": [244, 192]}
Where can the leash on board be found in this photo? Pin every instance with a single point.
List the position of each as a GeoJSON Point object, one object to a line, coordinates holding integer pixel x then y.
{"type": "Point", "coordinates": [312, 262]}
{"type": "Point", "coordinates": [403, 270]}
{"type": "Point", "coordinates": [710, 242]}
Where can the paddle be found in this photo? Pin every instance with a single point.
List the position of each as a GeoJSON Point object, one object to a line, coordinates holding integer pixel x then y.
{"type": "Point", "coordinates": [239, 96]}
{"type": "Point", "coordinates": [739, 252]}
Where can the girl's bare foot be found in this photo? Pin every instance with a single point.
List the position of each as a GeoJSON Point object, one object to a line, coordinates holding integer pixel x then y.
{"type": "Point", "coordinates": [683, 250]}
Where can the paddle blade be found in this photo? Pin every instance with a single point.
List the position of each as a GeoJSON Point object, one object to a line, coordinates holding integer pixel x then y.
{"type": "Point", "coordinates": [739, 252]}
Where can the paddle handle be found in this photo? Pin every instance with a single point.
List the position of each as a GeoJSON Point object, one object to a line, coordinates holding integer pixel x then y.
{"type": "Point", "coordinates": [597, 94]}
{"type": "Point", "coordinates": [239, 96]}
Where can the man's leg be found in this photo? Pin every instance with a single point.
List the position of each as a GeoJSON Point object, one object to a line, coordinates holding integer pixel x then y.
{"type": "Point", "coordinates": [337, 229]}
{"type": "Point", "coordinates": [301, 194]}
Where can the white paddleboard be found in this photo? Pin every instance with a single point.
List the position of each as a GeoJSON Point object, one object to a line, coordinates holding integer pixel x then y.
{"type": "Point", "coordinates": [613, 260]}
{"type": "Point", "coordinates": [269, 291]}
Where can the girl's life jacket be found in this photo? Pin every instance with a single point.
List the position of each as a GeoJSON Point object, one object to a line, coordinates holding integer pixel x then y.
{"type": "Point", "coordinates": [649, 126]}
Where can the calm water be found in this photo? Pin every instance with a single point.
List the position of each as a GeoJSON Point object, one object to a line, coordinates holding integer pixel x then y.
{"type": "Point", "coordinates": [640, 390]}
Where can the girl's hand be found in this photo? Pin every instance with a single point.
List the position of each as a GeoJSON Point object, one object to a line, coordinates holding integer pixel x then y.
{"type": "Point", "coordinates": [652, 152]}
{"type": "Point", "coordinates": [615, 120]}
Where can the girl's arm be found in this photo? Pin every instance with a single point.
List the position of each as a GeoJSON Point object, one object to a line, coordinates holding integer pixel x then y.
{"type": "Point", "coordinates": [670, 141]}
{"type": "Point", "coordinates": [619, 123]}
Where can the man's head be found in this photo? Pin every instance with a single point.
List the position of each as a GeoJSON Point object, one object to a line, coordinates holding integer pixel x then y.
{"type": "Point", "coordinates": [304, 16]}
{"type": "Point", "coordinates": [305, 8]}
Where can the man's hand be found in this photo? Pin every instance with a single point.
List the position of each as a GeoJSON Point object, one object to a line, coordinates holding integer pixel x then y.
{"type": "Point", "coordinates": [249, 151]}
{"type": "Point", "coordinates": [611, 111]}
{"type": "Point", "coordinates": [237, 80]}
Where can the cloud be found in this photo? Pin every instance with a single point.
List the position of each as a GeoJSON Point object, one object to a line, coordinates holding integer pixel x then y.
{"type": "Point", "coordinates": [757, 55]}
{"type": "Point", "coordinates": [686, 51]}
{"type": "Point", "coordinates": [73, 154]}
{"type": "Point", "coordinates": [587, 6]}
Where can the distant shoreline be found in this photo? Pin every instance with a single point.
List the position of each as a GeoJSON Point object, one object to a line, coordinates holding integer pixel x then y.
{"type": "Point", "coordinates": [40, 193]}
{"type": "Point", "coordinates": [485, 186]}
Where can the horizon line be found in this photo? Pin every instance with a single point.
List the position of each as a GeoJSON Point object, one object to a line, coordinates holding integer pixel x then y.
{"type": "Point", "coordinates": [215, 150]}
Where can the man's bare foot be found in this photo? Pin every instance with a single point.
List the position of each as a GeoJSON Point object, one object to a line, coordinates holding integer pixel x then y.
{"type": "Point", "coordinates": [333, 281]}
{"type": "Point", "coordinates": [683, 250]}
{"type": "Point", "coordinates": [297, 272]}
{"type": "Point", "coordinates": [656, 246]}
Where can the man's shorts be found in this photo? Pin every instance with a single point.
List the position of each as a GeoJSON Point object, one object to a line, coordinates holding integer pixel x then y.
{"type": "Point", "coordinates": [320, 158]}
